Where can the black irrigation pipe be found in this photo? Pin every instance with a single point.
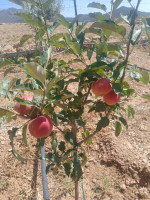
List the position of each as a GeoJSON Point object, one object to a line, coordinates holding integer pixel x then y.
{"type": "Point", "coordinates": [24, 53]}
{"type": "Point", "coordinates": [44, 177]}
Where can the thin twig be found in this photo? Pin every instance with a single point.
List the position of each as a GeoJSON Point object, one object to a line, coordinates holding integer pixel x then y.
{"type": "Point", "coordinates": [45, 21]}
{"type": "Point", "coordinates": [89, 89]}
{"type": "Point", "coordinates": [130, 38]}
{"type": "Point", "coordinates": [132, 29]}
{"type": "Point", "coordinates": [60, 129]}
{"type": "Point", "coordinates": [87, 138]}
{"type": "Point", "coordinates": [131, 4]}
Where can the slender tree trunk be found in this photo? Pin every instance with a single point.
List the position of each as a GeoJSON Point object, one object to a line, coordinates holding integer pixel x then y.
{"type": "Point", "coordinates": [76, 191]}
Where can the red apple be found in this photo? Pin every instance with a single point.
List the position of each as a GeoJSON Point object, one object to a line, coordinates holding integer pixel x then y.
{"type": "Point", "coordinates": [111, 98]}
{"type": "Point", "coordinates": [101, 87]}
{"type": "Point", "coordinates": [41, 126]}
{"type": "Point", "coordinates": [22, 109]}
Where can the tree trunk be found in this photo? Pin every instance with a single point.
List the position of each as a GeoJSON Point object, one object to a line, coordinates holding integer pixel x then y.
{"type": "Point", "coordinates": [76, 191]}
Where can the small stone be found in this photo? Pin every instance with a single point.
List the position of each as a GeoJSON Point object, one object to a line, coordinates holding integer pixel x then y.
{"type": "Point", "coordinates": [143, 128]}
{"type": "Point", "coordinates": [19, 133]}
{"type": "Point", "coordinates": [2, 142]}
{"type": "Point", "coordinates": [87, 165]}
{"type": "Point", "coordinates": [94, 180]}
{"type": "Point", "coordinates": [123, 187]}
{"type": "Point", "coordinates": [9, 150]}
{"type": "Point", "coordinates": [143, 192]}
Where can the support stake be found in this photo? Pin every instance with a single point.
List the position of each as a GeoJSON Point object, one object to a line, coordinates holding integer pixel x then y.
{"type": "Point", "coordinates": [75, 9]}
{"type": "Point", "coordinates": [44, 177]}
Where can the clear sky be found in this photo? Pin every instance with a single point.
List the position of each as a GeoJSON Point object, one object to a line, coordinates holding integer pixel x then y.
{"type": "Point", "coordinates": [68, 6]}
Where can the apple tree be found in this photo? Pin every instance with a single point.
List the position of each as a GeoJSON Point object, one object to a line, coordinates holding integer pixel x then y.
{"type": "Point", "coordinates": [96, 72]}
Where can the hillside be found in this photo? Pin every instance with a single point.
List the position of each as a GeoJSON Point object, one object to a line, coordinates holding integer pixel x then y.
{"type": "Point", "coordinates": [7, 16]}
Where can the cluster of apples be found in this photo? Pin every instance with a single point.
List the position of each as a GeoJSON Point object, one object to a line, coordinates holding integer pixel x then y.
{"type": "Point", "coordinates": [39, 127]}
{"type": "Point", "coordinates": [102, 87]}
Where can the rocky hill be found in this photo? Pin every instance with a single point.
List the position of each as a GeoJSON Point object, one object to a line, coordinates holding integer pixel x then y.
{"type": "Point", "coordinates": [7, 16]}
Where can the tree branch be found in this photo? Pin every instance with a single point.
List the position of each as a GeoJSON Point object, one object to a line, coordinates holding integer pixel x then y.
{"type": "Point", "coordinates": [87, 138]}
{"type": "Point", "coordinates": [130, 38]}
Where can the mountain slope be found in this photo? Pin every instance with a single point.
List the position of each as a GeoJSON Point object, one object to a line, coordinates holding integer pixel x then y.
{"type": "Point", "coordinates": [7, 16]}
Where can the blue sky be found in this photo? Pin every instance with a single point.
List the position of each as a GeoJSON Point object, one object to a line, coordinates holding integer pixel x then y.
{"type": "Point", "coordinates": [68, 6]}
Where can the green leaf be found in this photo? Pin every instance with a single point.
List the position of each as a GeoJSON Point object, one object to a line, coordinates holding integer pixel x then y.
{"type": "Point", "coordinates": [54, 145]}
{"type": "Point", "coordinates": [124, 122]}
{"type": "Point", "coordinates": [60, 44]}
{"type": "Point", "coordinates": [29, 87]}
{"type": "Point", "coordinates": [102, 123]}
{"type": "Point", "coordinates": [62, 146]}
{"type": "Point", "coordinates": [28, 19]}
{"type": "Point", "coordinates": [129, 19]}
{"type": "Point", "coordinates": [110, 26]}
{"type": "Point", "coordinates": [116, 3]}
{"type": "Point", "coordinates": [25, 38]}
{"type": "Point", "coordinates": [146, 96]}
{"type": "Point", "coordinates": [53, 82]}
{"type": "Point", "coordinates": [51, 28]}
{"type": "Point", "coordinates": [87, 133]}
{"type": "Point", "coordinates": [46, 56]}
{"type": "Point", "coordinates": [5, 62]}
{"type": "Point", "coordinates": [117, 71]}
{"type": "Point", "coordinates": [90, 52]}
{"type": "Point", "coordinates": [56, 37]}
{"type": "Point", "coordinates": [62, 20]}
{"type": "Point", "coordinates": [18, 2]}
{"type": "Point", "coordinates": [97, 5]}
{"type": "Point", "coordinates": [136, 36]}
{"type": "Point", "coordinates": [12, 134]}
{"type": "Point", "coordinates": [131, 112]}
{"type": "Point", "coordinates": [75, 47]}
{"type": "Point", "coordinates": [145, 77]}
{"type": "Point", "coordinates": [24, 131]}
{"type": "Point", "coordinates": [94, 31]}
{"type": "Point", "coordinates": [73, 22]}
{"type": "Point", "coordinates": [118, 128]}
{"type": "Point", "coordinates": [100, 107]}
{"type": "Point", "coordinates": [77, 170]}
{"type": "Point", "coordinates": [80, 27]}
{"type": "Point", "coordinates": [135, 75]}
{"type": "Point", "coordinates": [8, 70]}
{"type": "Point", "coordinates": [84, 158]}
{"type": "Point", "coordinates": [6, 114]}
{"type": "Point", "coordinates": [117, 87]}
{"type": "Point", "coordinates": [67, 167]}
{"type": "Point", "coordinates": [48, 167]}
{"type": "Point", "coordinates": [98, 16]}
{"type": "Point", "coordinates": [23, 102]}
{"type": "Point", "coordinates": [19, 157]}
{"type": "Point", "coordinates": [146, 22]}
{"type": "Point", "coordinates": [55, 119]}
{"type": "Point", "coordinates": [36, 71]}
{"type": "Point", "coordinates": [69, 136]}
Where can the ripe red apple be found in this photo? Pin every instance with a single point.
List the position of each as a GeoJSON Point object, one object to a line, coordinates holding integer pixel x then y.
{"type": "Point", "coordinates": [101, 87]}
{"type": "Point", "coordinates": [22, 109]}
{"type": "Point", "coordinates": [111, 98]}
{"type": "Point", "coordinates": [41, 126]}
